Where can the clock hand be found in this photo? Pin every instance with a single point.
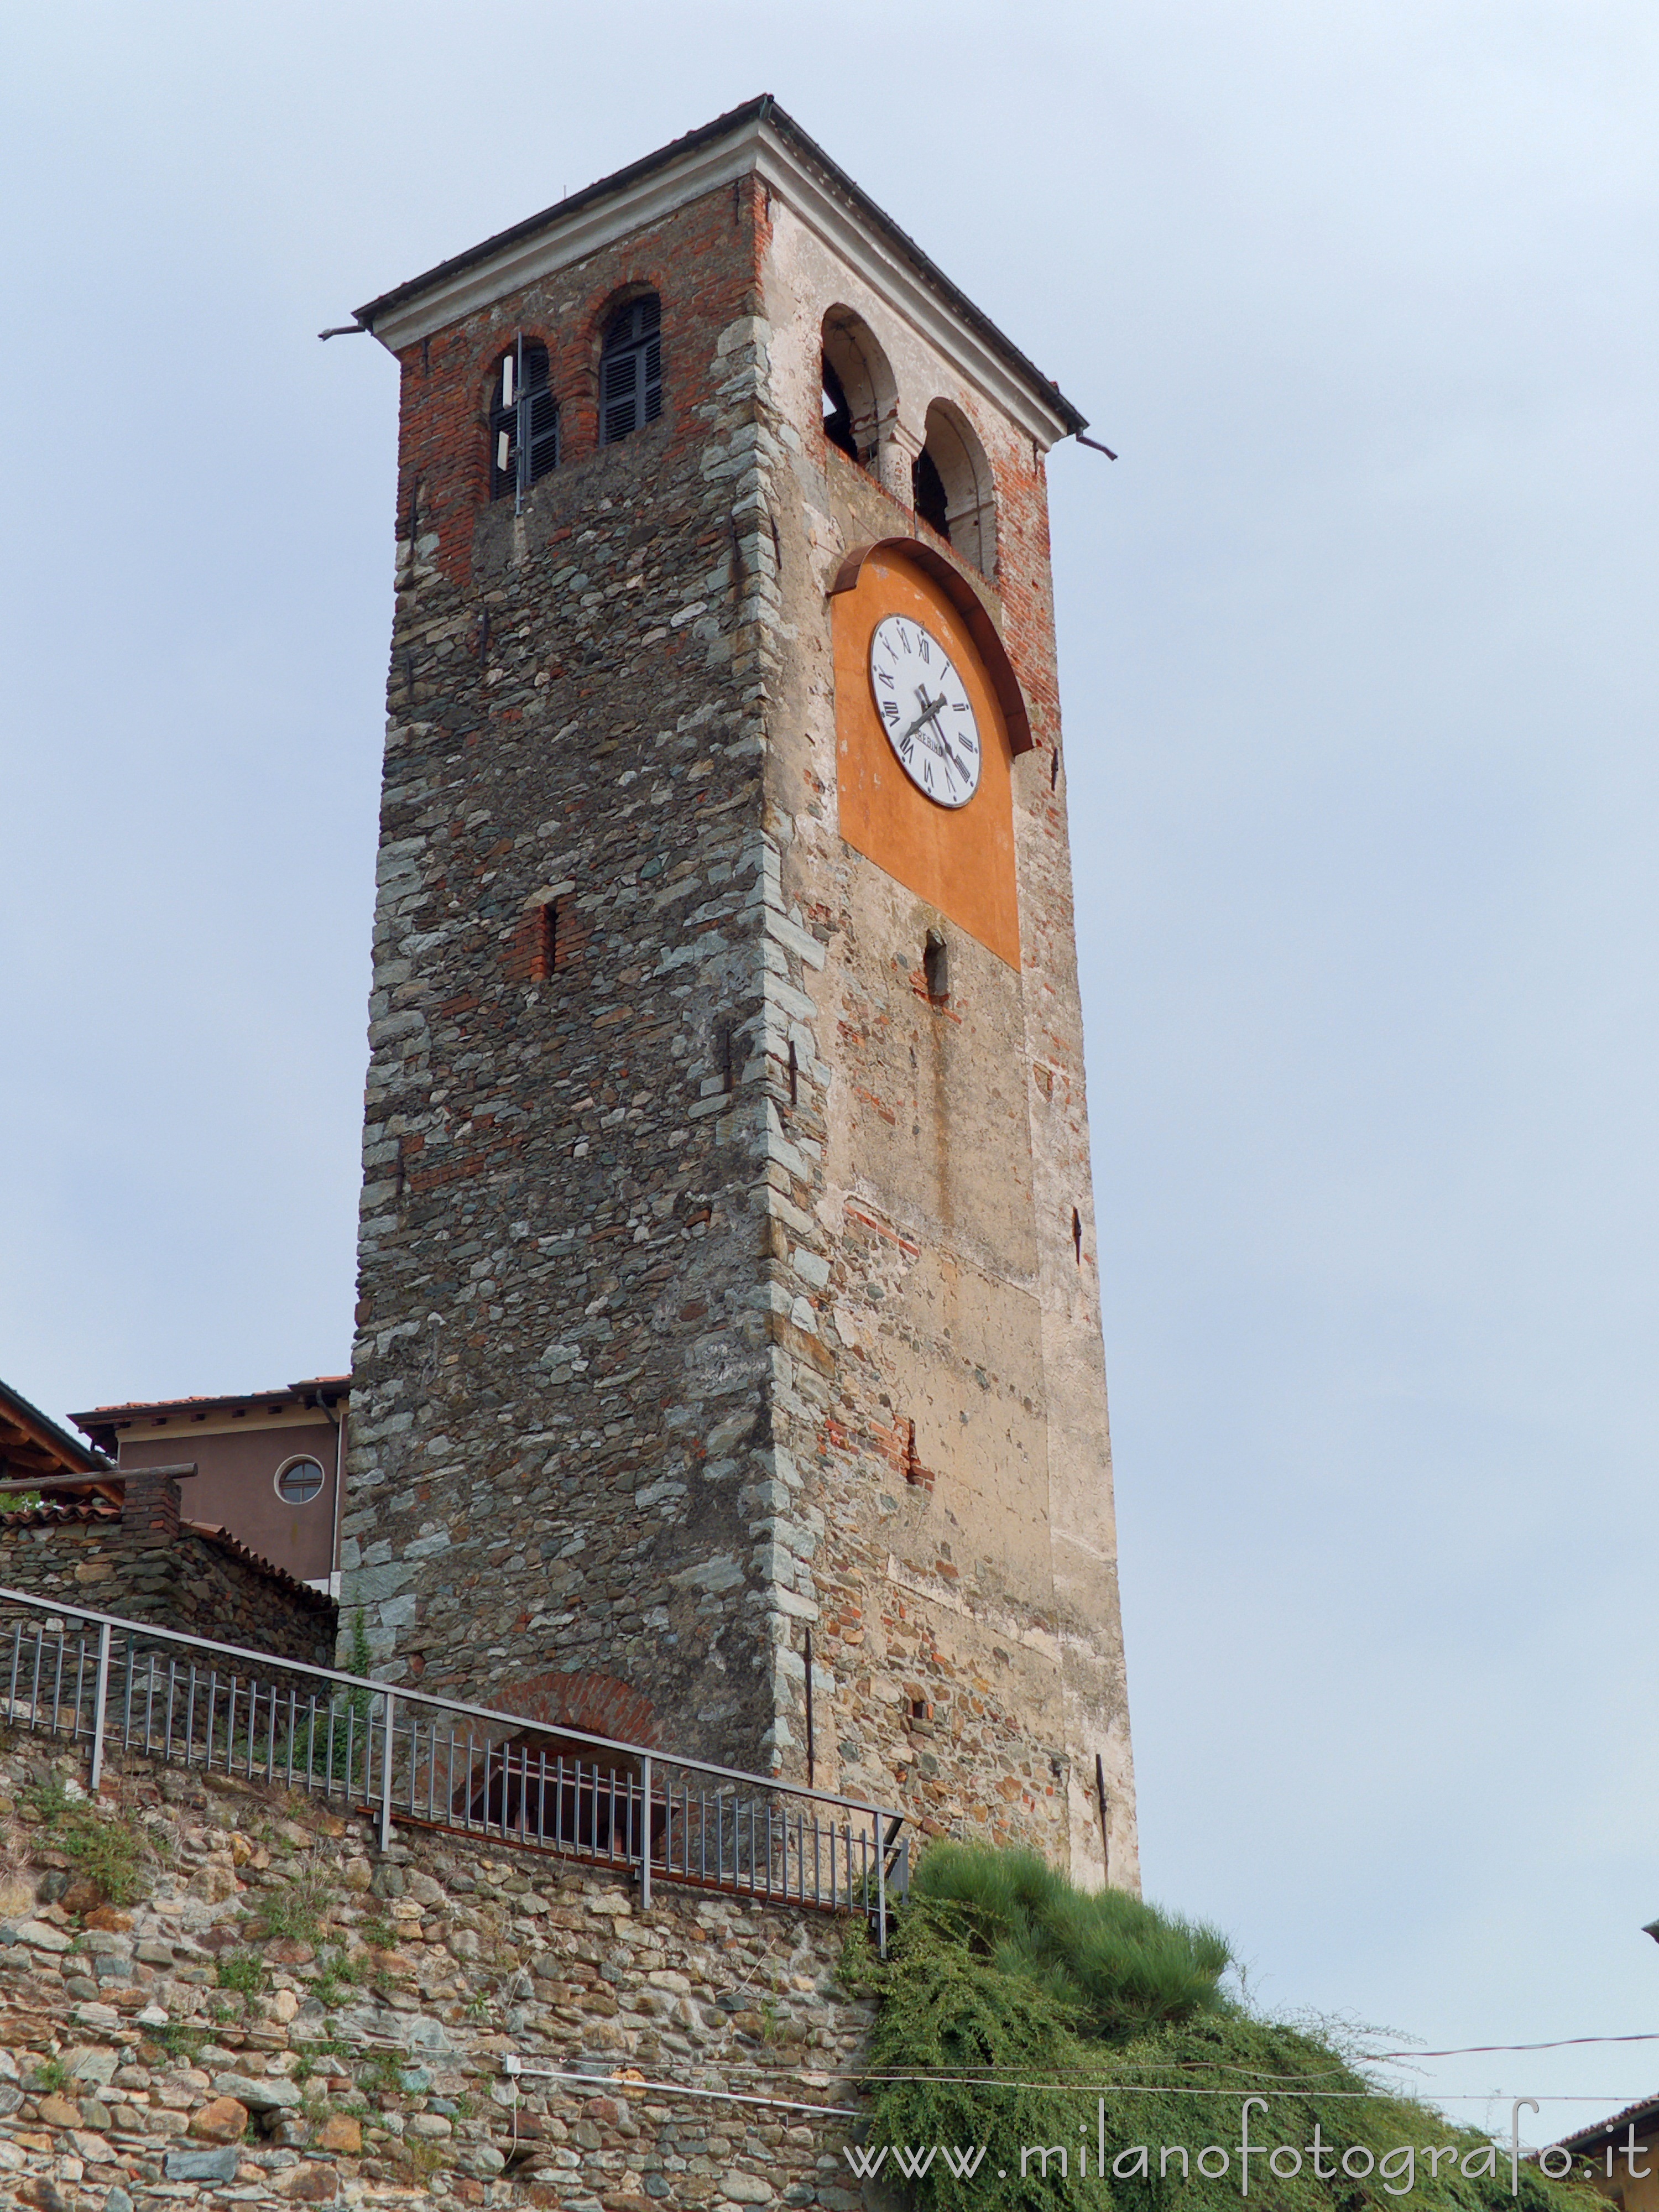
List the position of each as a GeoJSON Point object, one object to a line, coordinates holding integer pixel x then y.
{"type": "Point", "coordinates": [929, 713]}
{"type": "Point", "coordinates": [940, 743]}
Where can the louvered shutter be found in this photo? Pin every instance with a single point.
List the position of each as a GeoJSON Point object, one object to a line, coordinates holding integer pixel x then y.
{"type": "Point", "coordinates": [543, 434]}
{"type": "Point", "coordinates": [503, 427]}
{"type": "Point", "coordinates": [524, 422]}
{"type": "Point", "coordinates": [538, 416]}
{"type": "Point", "coordinates": [618, 394]}
{"type": "Point", "coordinates": [630, 370]}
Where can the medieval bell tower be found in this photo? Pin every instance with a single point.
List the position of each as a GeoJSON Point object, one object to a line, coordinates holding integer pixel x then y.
{"type": "Point", "coordinates": [728, 1281]}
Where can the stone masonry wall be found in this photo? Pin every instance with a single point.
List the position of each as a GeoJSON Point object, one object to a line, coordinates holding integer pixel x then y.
{"type": "Point", "coordinates": [558, 1362]}
{"type": "Point", "coordinates": [181, 2049]}
{"type": "Point", "coordinates": [139, 1563]}
{"type": "Point", "coordinates": [937, 1383]}
{"type": "Point", "coordinates": [717, 1291]}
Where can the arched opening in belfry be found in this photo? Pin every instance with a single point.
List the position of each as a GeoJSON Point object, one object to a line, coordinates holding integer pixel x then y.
{"type": "Point", "coordinates": [953, 489]}
{"type": "Point", "coordinates": [858, 388]}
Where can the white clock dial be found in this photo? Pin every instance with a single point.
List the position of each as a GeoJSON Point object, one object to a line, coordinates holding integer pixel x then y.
{"type": "Point", "coordinates": [926, 711]}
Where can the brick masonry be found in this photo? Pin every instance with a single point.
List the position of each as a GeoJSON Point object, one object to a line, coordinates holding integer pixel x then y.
{"type": "Point", "coordinates": [717, 1286]}
{"type": "Point", "coordinates": [139, 1561]}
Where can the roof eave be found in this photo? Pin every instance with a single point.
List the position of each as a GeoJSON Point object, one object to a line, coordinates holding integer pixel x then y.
{"type": "Point", "coordinates": [52, 1435]}
{"type": "Point", "coordinates": [572, 204]}
{"type": "Point", "coordinates": [759, 136]}
{"type": "Point", "coordinates": [296, 1395]}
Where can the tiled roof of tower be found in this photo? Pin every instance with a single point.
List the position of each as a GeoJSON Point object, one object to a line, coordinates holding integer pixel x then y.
{"type": "Point", "coordinates": [751, 118]}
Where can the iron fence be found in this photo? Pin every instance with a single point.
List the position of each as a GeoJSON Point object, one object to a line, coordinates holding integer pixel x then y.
{"type": "Point", "coordinates": [400, 1755]}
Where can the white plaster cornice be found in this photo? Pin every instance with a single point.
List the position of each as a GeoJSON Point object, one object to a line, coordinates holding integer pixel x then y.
{"type": "Point", "coordinates": [891, 275]}
{"type": "Point", "coordinates": [558, 240]}
{"type": "Point", "coordinates": [754, 146]}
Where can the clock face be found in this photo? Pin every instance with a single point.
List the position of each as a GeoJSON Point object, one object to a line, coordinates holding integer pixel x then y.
{"type": "Point", "coordinates": [926, 711]}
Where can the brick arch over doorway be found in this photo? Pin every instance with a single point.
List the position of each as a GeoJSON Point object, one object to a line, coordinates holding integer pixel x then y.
{"type": "Point", "coordinates": [545, 1783]}
{"type": "Point", "coordinates": [598, 1705]}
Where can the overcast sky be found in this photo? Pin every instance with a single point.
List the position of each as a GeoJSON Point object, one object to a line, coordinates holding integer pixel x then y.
{"type": "Point", "coordinates": [1358, 680]}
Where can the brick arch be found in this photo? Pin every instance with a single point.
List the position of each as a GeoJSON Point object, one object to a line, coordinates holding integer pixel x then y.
{"type": "Point", "coordinates": [490, 362]}
{"type": "Point", "coordinates": [598, 1705]}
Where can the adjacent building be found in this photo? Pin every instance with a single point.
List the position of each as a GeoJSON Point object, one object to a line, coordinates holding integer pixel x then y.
{"type": "Point", "coordinates": [1620, 2156]}
{"type": "Point", "coordinates": [128, 1525]}
{"type": "Point", "coordinates": [265, 1467]}
{"type": "Point", "coordinates": [34, 1449]}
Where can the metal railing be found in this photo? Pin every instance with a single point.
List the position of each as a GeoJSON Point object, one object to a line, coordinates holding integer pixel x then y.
{"type": "Point", "coordinates": [400, 1755]}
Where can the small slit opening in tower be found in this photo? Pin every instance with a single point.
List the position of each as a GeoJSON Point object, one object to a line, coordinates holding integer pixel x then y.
{"type": "Point", "coordinates": [545, 957]}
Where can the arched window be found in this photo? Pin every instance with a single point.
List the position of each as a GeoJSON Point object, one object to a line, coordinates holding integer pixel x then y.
{"type": "Point", "coordinates": [630, 369]}
{"type": "Point", "coordinates": [952, 486]}
{"type": "Point", "coordinates": [524, 420]}
{"type": "Point", "coordinates": [860, 394]}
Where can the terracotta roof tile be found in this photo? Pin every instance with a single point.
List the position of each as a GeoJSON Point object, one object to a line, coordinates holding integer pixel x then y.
{"type": "Point", "coordinates": [48, 1516]}
{"type": "Point", "coordinates": [240, 1551]}
{"type": "Point", "coordinates": [1644, 2108]}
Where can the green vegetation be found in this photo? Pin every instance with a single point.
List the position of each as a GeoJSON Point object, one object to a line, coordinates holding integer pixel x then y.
{"type": "Point", "coordinates": [297, 1908]}
{"type": "Point", "coordinates": [335, 1742]}
{"type": "Point", "coordinates": [324, 2047]}
{"type": "Point", "coordinates": [382, 2076]}
{"type": "Point", "coordinates": [1115, 1967]}
{"type": "Point", "coordinates": [1022, 2015]}
{"type": "Point", "coordinates": [243, 1971]}
{"type": "Point", "coordinates": [181, 2044]}
{"type": "Point", "coordinates": [49, 2078]}
{"type": "Point", "coordinates": [336, 1973]}
{"type": "Point", "coordinates": [351, 1714]}
{"type": "Point", "coordinates": [422, 2159]}
{"type": "Point", "coordinates": [106, 1849]}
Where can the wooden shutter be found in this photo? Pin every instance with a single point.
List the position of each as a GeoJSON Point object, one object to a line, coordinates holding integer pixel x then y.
{"type": "Point", "coordinates": [503, 426]}
{"type": "Point", "coordinates": [524, 420]}
{"type": "Point", "coordinates": [630, 370]}
{"type": "Point", "coordinates": [539, 415]}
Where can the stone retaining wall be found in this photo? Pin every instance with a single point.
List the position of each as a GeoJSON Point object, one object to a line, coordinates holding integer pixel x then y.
{"type": "Point", "coordinates": [180, 2049]}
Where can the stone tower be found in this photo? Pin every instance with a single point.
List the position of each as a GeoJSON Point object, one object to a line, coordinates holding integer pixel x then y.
{"type": "Point", "coordinates": [728, 1277]}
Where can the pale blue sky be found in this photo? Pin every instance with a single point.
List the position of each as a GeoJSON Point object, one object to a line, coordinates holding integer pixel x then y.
{"type": "Point", "coordinates": [1359, 689]}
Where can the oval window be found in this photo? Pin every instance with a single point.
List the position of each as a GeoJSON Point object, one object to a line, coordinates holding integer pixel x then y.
{"type": "Point", "coordinates": [300, 1481]}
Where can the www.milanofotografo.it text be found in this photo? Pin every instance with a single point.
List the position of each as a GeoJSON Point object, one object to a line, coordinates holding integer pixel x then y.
{"type": "Point", "coordinates": [1397, 2168]}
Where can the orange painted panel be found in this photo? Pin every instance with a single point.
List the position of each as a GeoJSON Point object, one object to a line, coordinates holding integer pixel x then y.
{"type": "Point", "coordinates": [959, 859]}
